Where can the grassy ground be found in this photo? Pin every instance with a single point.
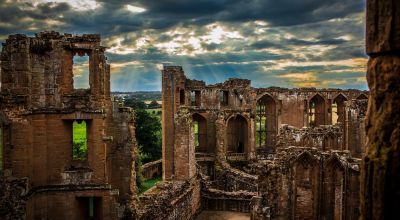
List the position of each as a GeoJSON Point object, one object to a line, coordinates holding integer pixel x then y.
{"type": "Point", "coordinates": [79, 140]}
{"type": "Point", "coordinates": [148, 184]}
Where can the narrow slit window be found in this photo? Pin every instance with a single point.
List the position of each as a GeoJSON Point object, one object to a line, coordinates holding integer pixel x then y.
{"type": "Point", "coordinates": [79, 135]}
{"type": "Point", "coordinates": [182, 97]}
{"type": "Point", "coordinates": [193, 98]}
{"type": "Point", "coordinates": [223, 97]}
{"type": "Point", "coordinates": [335, 114]}
{"type": "Point", "coordinates": [81, 72]}
{"type": "Point", "coordinates": [196, 134]}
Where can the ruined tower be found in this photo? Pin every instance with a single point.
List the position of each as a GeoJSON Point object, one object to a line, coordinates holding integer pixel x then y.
{"type": "Point", "coordinates": [40, 109]}
{"type": "Point", "coordinates": [177, 136]}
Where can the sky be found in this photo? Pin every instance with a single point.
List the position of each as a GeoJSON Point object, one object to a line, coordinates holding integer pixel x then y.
{"type": "Point", "coordinates": [285, 43]}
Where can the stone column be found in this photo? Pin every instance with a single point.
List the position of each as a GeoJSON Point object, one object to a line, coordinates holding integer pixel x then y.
{"type": "Point", "coordinates": [380, 190]}
{"type": "Point", "coordinates": [184, 151]}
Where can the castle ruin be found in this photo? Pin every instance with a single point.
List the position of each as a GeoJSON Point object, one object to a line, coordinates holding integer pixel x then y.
{"type": "Point", "coordinates": [273, 152]}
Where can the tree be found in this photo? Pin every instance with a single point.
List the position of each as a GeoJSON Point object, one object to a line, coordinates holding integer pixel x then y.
{"type": "Point", "coordinates": [135, 104]}
{"type": "Point", "coordinates": [148, 135]}
{"type": "Point", "coordinates": [148, 131]}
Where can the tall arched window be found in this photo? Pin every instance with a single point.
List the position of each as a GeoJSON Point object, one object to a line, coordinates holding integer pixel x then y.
{"type": "Point", "coordinates": [338, 109]}
{"type": "Point", "coordinates": [316, 111]}
{"type": "Point", "coordinates": [266, 124]}
{"type": "Point", "coordinates": [237, 134]}
{"type": "Point", "coordinates": [200, 132]}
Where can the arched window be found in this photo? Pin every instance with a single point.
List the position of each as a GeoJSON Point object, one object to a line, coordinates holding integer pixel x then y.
{"type": "Point", "coordinates": [200, 132]}
{"type": "Point", "coordinates": [316, 111]}
{"type": "Point", "coordinates": [266, 124]}
{"type": "Point", "coordinates": [338, 109]}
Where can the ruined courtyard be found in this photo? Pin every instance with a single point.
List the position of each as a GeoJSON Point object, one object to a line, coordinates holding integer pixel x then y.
{"type": "Point", "coordinates": [267, 153]}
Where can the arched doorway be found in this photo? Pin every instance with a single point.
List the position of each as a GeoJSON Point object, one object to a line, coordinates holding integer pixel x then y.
{"type": "Point", "coordinates": [200, 132]}
{"type": "Point", "coordinates": [338, 109]}
{"type": "Point", "coordinates": [333, 190]}
{"type": "Point", "coordinates": [316, 111]}
{"type": "Point", "coordinates": [237, 135]}
{"type": "Point", "coordinates": [305, 187]}
{"type": "Point", "coordinates": [266, 122]}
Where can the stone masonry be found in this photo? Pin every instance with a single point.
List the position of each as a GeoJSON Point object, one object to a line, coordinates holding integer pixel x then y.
{"type": "Point", "coordinates": [38, 104]}
{"type": "Point", "coordinates": [275, 152]}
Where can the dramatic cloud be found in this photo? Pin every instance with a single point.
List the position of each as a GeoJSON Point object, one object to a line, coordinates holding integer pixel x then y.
{"type": "Point", "coordinates": [288, 43]}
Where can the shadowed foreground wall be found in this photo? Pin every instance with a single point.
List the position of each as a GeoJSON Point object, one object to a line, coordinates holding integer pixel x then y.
{"type": "Point", "coordinates": [380, 196]}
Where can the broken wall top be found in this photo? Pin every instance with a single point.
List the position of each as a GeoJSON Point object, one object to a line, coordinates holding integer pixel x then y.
{"type": "Point", "coordinates": [37, 72]}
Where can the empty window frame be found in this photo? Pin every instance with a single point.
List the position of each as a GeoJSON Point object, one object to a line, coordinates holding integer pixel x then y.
{"type": "Point", "coordinates": [200, 132]}
{"type": "Point", "coordinates": [338, 109]}
{"type": "Point", "coordinates": [266, 124]}
{"type": "Point", "coordinates": [261, 121]}
{"type": "Point", "coordinates": [224, 97]}
{"type": "Point", "coordinates": [182, 97]}
{"type": "Point", "coordinates": [316, 111]}
{"type": "Point", "coordinates": [196, 134]}
{"type": "Point", "coordinates": [195, 98]}
{"type": "Point", "coordinates": [79, 140]}
{"type": "Point", "coordinates": [80, 71]}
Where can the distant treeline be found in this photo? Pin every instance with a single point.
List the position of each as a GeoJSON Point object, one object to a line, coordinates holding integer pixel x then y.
{"type": "Point", "coordinates": [139, 95]}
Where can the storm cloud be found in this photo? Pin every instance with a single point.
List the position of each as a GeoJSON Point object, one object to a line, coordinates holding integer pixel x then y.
{"type": "Point", "coordinates": [287, 43]}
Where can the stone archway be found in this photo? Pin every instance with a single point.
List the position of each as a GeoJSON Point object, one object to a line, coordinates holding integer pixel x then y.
{"type": "Point", "coordinates": [237, 135]}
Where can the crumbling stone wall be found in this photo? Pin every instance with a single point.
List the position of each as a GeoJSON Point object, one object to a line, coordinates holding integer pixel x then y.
{"type": "Point", "coordinates": [152, 169]}
{"type": "Point", "coordinates": [380, 197]}
{"type": "Point", "coordinates": [12, 197]}
{"type": "Point", "coordinates": [38, 104]}
{"type": "Point", "coordinates": [324, 138]}
{"type": "Point", "coordinates": [220, 103]}
{"type": "Point", "coordinates": [171, 200]}
{"type": "Point", "coordinates": [308, 184]}
{"type": "Point", "coordinates": [354, 129]}
{"type": "Point", "coordinates": [301, 141]}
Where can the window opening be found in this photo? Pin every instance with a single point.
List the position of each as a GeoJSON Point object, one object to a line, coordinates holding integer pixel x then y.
{"type": "Point", "coordinates": [80, 70]}
{"type": "Point", "coordinates": [79, 136]}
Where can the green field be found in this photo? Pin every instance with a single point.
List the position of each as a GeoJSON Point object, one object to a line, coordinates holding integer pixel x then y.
{"type": "Point", "coordinates": [79, 150]}
{"type": "Point", "coordinates": [148, 184]}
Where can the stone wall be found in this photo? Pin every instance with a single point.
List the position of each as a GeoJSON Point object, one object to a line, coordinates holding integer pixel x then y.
{"type": "Point", "coordinates": [380, 197]}
{"type": "Point", "coordinates": [228, 114]}
{"type": "Point", "coordinates": [171, 200]}
{"type": "Point", "coordinates": [12, 197]}
{"type": "Point", "coordinates": [38, 105]}
{"type": "Point", "coordinates": [307, 183]}
{"type": "Point", "coordinates": [152, 169]}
